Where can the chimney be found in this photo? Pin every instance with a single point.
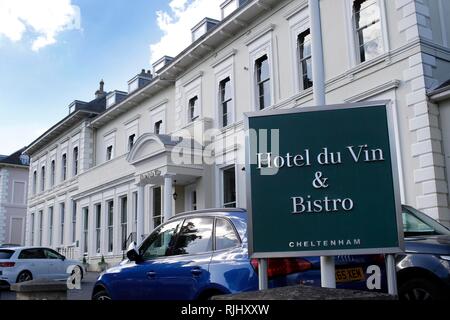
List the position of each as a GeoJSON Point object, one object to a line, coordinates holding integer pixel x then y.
{"type": "Point", "coordinates": [100, 92]}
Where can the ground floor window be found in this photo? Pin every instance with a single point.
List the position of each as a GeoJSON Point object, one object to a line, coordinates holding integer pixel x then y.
{"type": "Point", "coordinates": [32, 229]}
{"type": "Point", "coordinates": [135, 211]}
{"type": "Point", "coordinates": [50, 228]}
{"type": "Point", "coordinates": [61, 220]}
{"type": "Point", "coordinates": [123, 221]}
{"type": "Point", "coordinates": [229, 187]}
{"type": "Point", "coordinates": [157, 212]}
{"type": "Point", "coordinates": [41, 213]}
{"type": "Point", "coordinates": [110, 215]}
{"type": "Point", "coordinates": [98, 226]}
{"type": "Point", "coordinates": [85, 229]}
{"type": "Point", "coordinates": [74, 221]}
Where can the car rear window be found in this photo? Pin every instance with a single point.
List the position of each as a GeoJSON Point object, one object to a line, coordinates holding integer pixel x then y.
{"type": "Point", "coordinates": [6, 254]}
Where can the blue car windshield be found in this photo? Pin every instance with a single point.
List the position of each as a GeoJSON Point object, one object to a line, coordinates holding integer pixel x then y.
{"type": "Point", "coordinates": [416, 223]}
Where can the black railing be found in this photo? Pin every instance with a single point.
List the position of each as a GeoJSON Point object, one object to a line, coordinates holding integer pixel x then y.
{"type": "Point", "coordinates": [131, 238]}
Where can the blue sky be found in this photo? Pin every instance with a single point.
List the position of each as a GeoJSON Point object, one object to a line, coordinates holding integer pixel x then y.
{"type": "Point", "coordinates": [112, 40]}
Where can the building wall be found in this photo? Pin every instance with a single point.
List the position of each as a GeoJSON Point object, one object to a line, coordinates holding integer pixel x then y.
{"type": "Point", "coordinates": [61, 192]}
{"type": "Point", "coordinates": [13, 199]}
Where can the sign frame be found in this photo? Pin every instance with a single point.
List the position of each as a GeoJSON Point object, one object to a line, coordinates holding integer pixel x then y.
{"type": "Point", "coordinates": [395, 179]}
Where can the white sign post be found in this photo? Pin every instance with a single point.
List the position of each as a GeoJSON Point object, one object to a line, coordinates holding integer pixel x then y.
{"type": "Point", "coordinates": [327, 266]}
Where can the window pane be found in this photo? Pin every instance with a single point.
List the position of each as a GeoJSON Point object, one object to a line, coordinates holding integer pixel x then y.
{"type": "Point", "coordinates": [193, 106]}
{"type": "Point", "coordinates": [304, 40]}
{"type": "Point", "coordinates": [368, 28]}
{"type": "Point", "coordinates": [158, 244]}
{"type": "Point", "coordinates": [50, 254]}
{"type": "Point", "coordinates": [225, 235]}
{"type": "Point", "coordinates": [225, 114]}
{"type": "Point", "coordinates": [371, 49]}
{"type": "Point", "coordinates": [225, 100]}
{"type": "Point", "coordinates": [307, 74]}
{"type": "Point", "coordinates": [227, 89]}
{"type": "Point", "coordinates": [157, 201]}
{"type": "Point", "coordinates": [195, 236]}
{"type": "Point", "coordinates": [368, 14]}
{"type": "Point", "coordinates": [267, 95]}
{"type": "Point", "coordinates": [263, 69]}
{"type": "Point", "coordinates": [229, 187]}
{"type": "Point", "coordinates": [370, 33]}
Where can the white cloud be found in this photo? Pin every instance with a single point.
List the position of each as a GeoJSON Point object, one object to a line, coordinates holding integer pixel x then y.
{"type": "Point", "coordinates": [44, 19]}
{"type": "Point", "coordinates": [176, 25]}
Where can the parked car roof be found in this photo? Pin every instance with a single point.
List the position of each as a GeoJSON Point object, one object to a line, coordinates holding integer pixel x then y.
{"type": "Point", "coordinates": [218, 211]}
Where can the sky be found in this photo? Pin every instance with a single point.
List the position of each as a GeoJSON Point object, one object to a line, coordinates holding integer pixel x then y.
{"type": "Point", "coordinates": [55, 51]}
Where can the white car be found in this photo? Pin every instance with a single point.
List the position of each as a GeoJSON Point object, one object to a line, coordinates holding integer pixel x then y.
{"type": "Point", "coordinates": [19, 264]}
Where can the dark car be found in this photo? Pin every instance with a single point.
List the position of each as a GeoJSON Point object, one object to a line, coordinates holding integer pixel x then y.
{"type": "Point", "coordinates": [423, 271]}
{"type": "Point", "coordinates": [200, 254]}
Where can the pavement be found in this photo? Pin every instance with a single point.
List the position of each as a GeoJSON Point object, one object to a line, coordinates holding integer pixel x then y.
{"type": "Point", "coordinates": [87, 284]}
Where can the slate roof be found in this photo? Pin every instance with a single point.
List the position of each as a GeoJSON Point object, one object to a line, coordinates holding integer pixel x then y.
{"type": "Point", "coordinates": [82, 110]}
{"type": "Point", "coordinates": [14, 159]}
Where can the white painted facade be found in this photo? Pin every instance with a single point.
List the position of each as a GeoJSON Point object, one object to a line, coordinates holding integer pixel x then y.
{"type": "Point", "coordinates": [13, 203]}
{"type": "Point", "coordinates": [413, 57]}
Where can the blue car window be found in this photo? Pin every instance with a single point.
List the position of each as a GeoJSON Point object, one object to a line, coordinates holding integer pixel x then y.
{"type": "Point", "coordinates": [50, 254]}
{"type": "Point", "coordinates": [195, 236]}
{"type": "Point", "coordinates": [225, 235]}
{"type": "Point", "coordinates": [32, 254]}
{"type": "Point", "coordinates": [159, 243]}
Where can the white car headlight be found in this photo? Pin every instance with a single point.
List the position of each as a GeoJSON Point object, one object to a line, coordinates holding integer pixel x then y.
{"type": "Point", "coordinates": [447, 258]}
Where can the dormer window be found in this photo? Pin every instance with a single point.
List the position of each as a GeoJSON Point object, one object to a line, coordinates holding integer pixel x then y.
{"type": "Point", "coordinates": [139, 81]}
{"type": "Point", "coordinates": [161, 63]}
{"type": "Point", "coordinates": [228, 7]}
{"type": "Point", "coordinates": [203, 27]}
{"type": "Point", "coordinates": [76, 105]}
{"type": "Point", "coordinates": [115, 97]}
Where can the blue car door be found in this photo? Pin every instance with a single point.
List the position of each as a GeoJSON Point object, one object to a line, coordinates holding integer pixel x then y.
{"type": "Point", "coordinates": [230, 267]}
{"type": "Point", "coordinates": [137, 280]}
{"type": "Point", "coordinates": [183, 274]}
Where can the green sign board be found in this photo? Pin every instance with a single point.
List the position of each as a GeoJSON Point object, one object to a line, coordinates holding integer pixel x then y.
{"type": "Point", "coordinates": [323, 181]}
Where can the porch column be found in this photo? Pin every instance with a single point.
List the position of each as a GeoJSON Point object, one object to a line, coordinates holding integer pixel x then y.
{"type": "Point", "coordinates": [168, 182]}
{"type": "Point", "coordinates": [140, 214]}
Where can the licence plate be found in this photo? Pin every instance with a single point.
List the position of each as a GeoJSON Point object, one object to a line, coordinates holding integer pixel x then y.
{"type": "Point", "coordinates": [350, 274]}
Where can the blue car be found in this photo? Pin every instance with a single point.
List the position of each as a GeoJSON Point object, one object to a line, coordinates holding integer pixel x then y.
{"type": "Point", "coordinates": [197, 255]}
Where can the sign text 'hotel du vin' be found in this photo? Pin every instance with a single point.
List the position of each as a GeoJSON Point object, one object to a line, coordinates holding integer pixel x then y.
{"type": "Point", "coordinates": [323, 181]}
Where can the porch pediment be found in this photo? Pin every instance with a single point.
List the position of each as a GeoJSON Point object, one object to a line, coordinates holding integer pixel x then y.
{"type": "Point", "coordinates": [155, 156]}
{"type": "Point", "coordinates": [150, 145]}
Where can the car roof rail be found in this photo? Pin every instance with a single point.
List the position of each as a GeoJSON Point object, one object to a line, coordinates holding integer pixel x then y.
{"type": "Point", "coordinates": [212, 210]}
